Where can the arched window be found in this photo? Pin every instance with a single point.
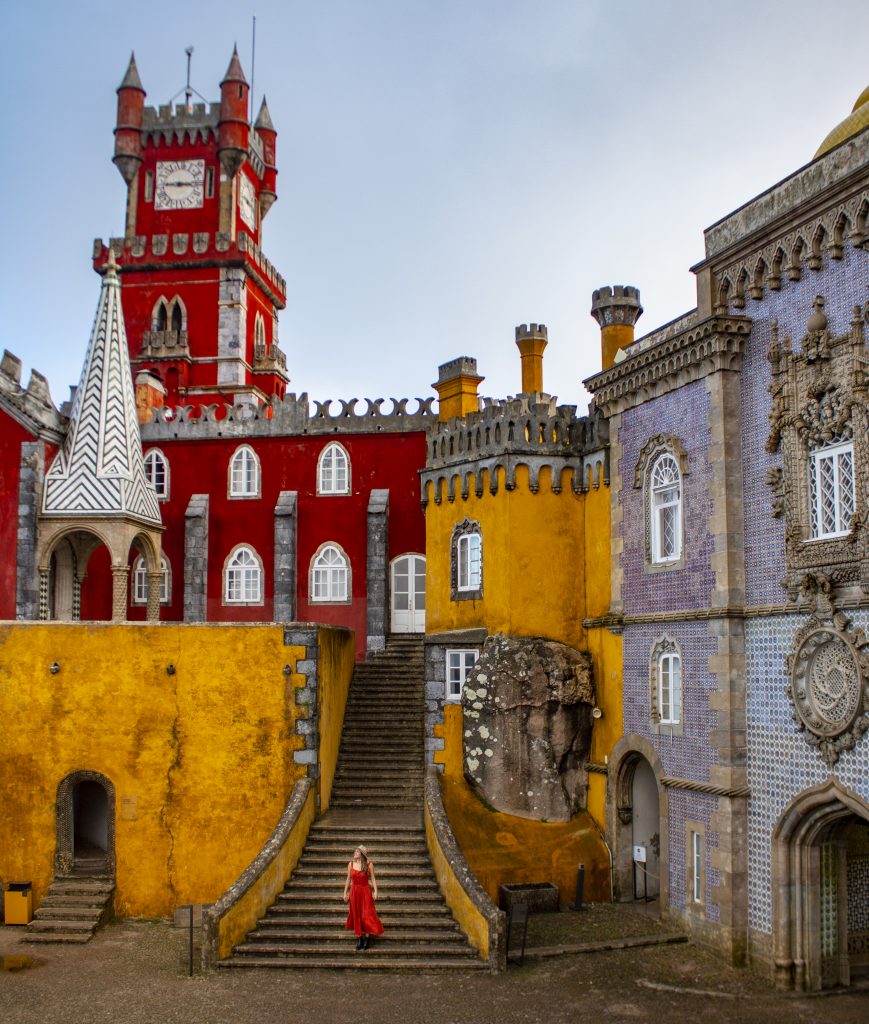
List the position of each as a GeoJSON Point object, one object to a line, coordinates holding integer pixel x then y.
{"type": "Point", "coordinates": [330, 576]}
{"type": "Point", "coordinates": [161, 316]}
{"type": "Point", "coordinates": [665, 509]}
{"type": "Point", "coordinates": [244, 474]}
{"type": "Point", "coordinates": [243, 577]}
{"type": "Point", "coordinates": [176, 317]}
{"type": "Point", "coordinates": [157, 472]}
{"type": "Point", "coordinates": [140, 581]}
{"type": "Point", "coordinates": [831, 488]}
{"type": "Point", "coordinates": [259, 334]}
{"type": "Point", "coordinates": [466, 562]}
{"type": "Point", "coordinates": [666, 684]}
{"type": "Point", "coordinates": [333, 470]}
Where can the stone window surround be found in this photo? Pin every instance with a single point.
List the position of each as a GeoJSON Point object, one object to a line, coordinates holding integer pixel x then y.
{"type": "Point", "coordinates": [695, 906]}
{"type": "Point", "coordinates": [654, 448]}
{"type": "Point", "coordinates": [465, 528]}
{"type": "Point", "coordinates": [64, 856]}
{"type": "Point", "coordinates": [225, 578]}
{"type": "Point", "coordinates": [331, 492]}
{"type": "Point", "coordinates": [815, 455]}
{"type": "Point", "coordinates": [155, 454]}
{"type": "Point", "coordinates": [244, 496]}
{"type": "Point", "coordinates": [140, 567]}
{"type": "Point", "coordinates": [665, 645]}
{"type": "Point", "coordinates": [349, 592]}
{"type": "Point", "coordinates": [449, 698]}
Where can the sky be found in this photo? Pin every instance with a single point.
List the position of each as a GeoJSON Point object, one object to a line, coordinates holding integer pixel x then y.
{"type": "Point", "coordinates": [448, 169]}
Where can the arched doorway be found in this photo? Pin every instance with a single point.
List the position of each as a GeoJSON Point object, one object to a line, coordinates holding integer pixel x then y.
{"type": "Point", "coordinates": [636, 823]}
{"type": "Point", "coordinates": [820, 875]}
{"type": "Point", "coordinates": [408, 594]}
{"type": "Point", "coordinates": [85, 825]}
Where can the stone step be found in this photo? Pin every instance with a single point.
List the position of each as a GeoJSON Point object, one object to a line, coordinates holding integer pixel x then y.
{"type": "Point", "coordinates": [46, 937]}
{"type": "Point", "coordinates": [62, 927]}
{"type": "Point", "coordinates": [337, 861]}
{"type": "Point", "coordinates": [83, 887]}
{"type": "Point", "coordinates": [394, 917]}
{"type": "Point", "coordinates": [320, 899]}
{"type": "Point", "coordinates": [380, 947]}
{"type": "Point", "coordinates": [357, 962]}
{"type": "Point", "coordinates": [59, 912]}
{"type": "Point", "coordinates": [329, 891]}
{"type": "Point", "coordinates": [333, 828]}
{"type": "Point", "coordinates": [325, 934]}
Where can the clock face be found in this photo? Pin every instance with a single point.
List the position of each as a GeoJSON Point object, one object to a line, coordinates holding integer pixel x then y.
{"type": "Point", "coordinates": [247, 201]}
{"type": "Point", "coordinates": [180, 184]}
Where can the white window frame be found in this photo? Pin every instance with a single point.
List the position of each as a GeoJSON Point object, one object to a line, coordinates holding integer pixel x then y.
{"type": "Point", "coordinates": [244, 482]}
{"type": "Point", "coordinates": [328, 469]}
{"type": "Point", "coordinates": [330, 582]}
{"type": "Point", "coordinates": [243, 577]}
{"type": "Point", "coordinates": [657, 507]}
{"type": "Point", "coordinates": [843, 512]}
{"type": "Point", "coordinates": [153, 458]}
{"type": "Point", "coordinates": [670, 666]}
{"type": "Point", "coordinates": [469, 555]}
{"type": "Point", "coordinates": [459, 662]}
{"type": "Point", "coordinates": [139, 589]}
{"type": "Point", "coordinates": [697, 867]}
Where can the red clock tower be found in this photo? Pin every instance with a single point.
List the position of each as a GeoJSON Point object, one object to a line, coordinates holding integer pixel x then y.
{"type": "Point", "coordinates": [200, 299]}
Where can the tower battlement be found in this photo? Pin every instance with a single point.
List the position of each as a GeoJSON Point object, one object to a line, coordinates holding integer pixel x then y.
{"type": "Point", "coordinates": [535, 332]}
{"type": "Point", "coordinates": [616, 304]}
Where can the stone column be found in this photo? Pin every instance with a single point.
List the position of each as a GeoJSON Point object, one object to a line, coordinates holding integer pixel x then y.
{"type": "Point", "coordinates": [28, 582]}
{"type": "Point", "coordinates": [377, 617]}
{"type": "Point", "coordinates": [120, 582]}
{"type": "Point", "coordinates": [286, 571]}
{"type": "Point", "coordinates": [196, 559]}
{"type": "Point", "coordinates": [43, 596]}
{"type": "Point", "coordinates": [155, 582]}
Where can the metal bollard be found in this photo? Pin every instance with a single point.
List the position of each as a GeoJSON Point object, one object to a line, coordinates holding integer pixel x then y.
{"type": "Point", "coordinates": [580, 887]}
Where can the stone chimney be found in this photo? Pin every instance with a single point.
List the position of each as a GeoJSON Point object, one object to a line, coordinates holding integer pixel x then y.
{"type": "Point", "coordinates": [456, 386]}
{"type": "Point", "coordinates": [616, 309]}
{"type": "Point", "coordinates": [531, 340]}
{"type": "Point", "coordinates": [150, 395]}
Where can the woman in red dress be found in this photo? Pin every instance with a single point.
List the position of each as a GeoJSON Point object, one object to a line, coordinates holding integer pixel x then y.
{"type": "Point", "coordinates": [360, 891]}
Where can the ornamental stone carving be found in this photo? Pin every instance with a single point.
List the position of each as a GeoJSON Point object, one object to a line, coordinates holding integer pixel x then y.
{"type": "Point", "coordinates": [819, 398]}
{"type": "Point", "coordinates": [828, 675]}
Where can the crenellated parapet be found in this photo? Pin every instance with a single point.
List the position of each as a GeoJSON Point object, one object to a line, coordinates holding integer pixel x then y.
{"type": "Point", "coordinates": [531, 430]}
{"type": "Point", "coordinates": [31, 406]}
{"type": "Point", "coordinates": [147, 252]}
{"type": "Point", "coordinates": [291, 415]}
{"type": "Point", "coordinates": [177, 123]}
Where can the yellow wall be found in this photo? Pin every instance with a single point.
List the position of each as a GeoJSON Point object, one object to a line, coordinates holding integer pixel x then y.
{"type": "Point", "coordinates": [337, 661]}
{"type": "Point", "coordinates": [201, 761]}
{"type": "Point", "coordinates": [546, 567]}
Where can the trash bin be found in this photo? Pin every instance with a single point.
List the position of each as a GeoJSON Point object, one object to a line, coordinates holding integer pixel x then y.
{"type": "Point", "coordinates": [18, 903]}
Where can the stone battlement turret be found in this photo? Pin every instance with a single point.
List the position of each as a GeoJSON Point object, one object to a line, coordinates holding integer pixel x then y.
{"type": "Point", "coordinates": [32, 405]}
{"type": "Point", "coordinates": [616, 309]}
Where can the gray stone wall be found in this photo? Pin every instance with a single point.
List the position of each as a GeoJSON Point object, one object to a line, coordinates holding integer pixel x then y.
{"type": "Point", "coordinates": [305, 635]}
{"type": "Point", "coordinates": [30, 477]}
{"type": "Point", "coordinates": [196, 559]}
{"type": "Point", "coordinates": [435, 676]}
{"type": "Point", "coordinates": [286, 570]}
{"type": "Point", "coordinates": [377, 621]}
{"type": "Point", "coordinates": [231, 326]}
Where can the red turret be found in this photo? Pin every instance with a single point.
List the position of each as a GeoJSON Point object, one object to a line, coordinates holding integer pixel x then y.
{"type": "Point", "coordinates": [266, 131]}
{"type": "Point", "coordinates": [128, 130]}
{"type": "Point", "coordinates": [233, 127]}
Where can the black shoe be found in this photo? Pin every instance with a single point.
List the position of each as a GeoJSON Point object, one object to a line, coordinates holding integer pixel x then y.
{"type": "Point", "coordinates": [365, 940]}
{"type": "Point", "coordinates": [360, 942]}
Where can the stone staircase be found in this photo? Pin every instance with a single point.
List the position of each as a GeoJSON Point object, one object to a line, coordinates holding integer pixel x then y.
{"type": "Point", "coordinates": [377, 801]}
{"type": "Point", "coordinates": [73, 909]}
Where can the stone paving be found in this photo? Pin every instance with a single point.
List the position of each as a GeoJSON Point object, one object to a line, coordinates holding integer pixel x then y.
{"type": "Point", "coordinates": [131, 972]}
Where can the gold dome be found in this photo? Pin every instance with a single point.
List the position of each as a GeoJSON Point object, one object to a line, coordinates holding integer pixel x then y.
{"type": "Point", "coordinates": [855, 122]}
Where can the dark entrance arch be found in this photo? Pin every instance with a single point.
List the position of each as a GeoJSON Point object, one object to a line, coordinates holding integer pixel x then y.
{"type": "Point", "coordinates": [85, 825]}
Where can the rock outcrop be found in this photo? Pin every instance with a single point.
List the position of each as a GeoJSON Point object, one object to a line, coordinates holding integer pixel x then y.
{"type": "Point", "coordinates": [527, 709]}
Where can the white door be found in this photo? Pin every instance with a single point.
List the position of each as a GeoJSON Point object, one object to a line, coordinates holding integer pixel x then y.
{"type": "Point", "coordinates": [408, 594]}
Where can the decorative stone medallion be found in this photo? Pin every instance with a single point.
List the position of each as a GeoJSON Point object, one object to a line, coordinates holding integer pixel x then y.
{"type": "Point", "coordinates": [828, 678]}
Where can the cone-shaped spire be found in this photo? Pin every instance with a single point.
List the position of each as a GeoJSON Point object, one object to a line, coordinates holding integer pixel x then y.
{"type": "Point", "coordinates": [131, 78]}
{"type": "Point", "coordinates": [234, 72]}
{"type": "Point", "coordinates": [263, 119]}
{"type": "Point", "coordinates": [100, 470]}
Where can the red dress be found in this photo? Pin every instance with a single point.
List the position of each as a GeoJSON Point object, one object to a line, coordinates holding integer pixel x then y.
{"type": "Point", "coordinates": [362, 916]}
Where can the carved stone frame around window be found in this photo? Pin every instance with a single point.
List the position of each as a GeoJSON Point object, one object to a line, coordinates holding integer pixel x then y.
{"type": "Point", "coordinates": [665, 645]}
{"type": "Point", "coordinates": [658, 445]}
{"type": "Point", "coordinates": [463, 529]}
{"type": "Point", "coordinates": [818, 394]}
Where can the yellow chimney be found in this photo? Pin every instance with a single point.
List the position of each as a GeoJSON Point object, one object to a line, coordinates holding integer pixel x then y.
{"type": "Point", "coordinates": [531, 340]}
{"type": "Point", "coordinates": [456, 386]}
{"type": "Point", "coordinates": [616, 309]}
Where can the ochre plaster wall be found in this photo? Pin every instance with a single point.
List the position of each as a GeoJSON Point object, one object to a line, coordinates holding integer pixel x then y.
{"type": "Point", "coordinates": [336, 663]}
{"type": "Point", "coordinates": [201, 760]}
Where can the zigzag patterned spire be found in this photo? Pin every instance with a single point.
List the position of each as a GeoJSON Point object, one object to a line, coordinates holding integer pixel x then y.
{"type": "Point", "coordinates": [100, 470]}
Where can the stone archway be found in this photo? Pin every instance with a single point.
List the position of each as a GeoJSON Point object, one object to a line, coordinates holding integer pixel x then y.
{"type": "Point", "coordinates": [812, 946]}
{"type": "Point", "coordinates": [637, 816]}
{"type": "Point", "coordinates": [85, 813]}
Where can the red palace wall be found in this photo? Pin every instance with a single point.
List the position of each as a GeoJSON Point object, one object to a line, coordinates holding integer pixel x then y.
{"type": "Point", "coordinates": [389, 461]}
{"type": "Point", "coordinates": [11, 436]}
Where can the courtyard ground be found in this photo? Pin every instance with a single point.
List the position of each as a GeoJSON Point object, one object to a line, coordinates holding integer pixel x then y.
{"type": "Point", "coordinates": [132, 972]}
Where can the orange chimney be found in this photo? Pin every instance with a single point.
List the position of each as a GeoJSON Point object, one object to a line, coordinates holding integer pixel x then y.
{"type": "Point", "coordinates": [531, 340]}
{"type": "Point", "coordinates": [456, 386]}
{"type": "Point", "coordinates": [617, 310]}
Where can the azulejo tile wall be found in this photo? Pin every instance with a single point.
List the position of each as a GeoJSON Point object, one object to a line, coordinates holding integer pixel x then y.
{"type": "Point", "coordinates": [781, 764]}
{"type": "Point", "coordinates": [683, 414]}
{"type": "Point", "coordinates": [687, 809]}
{"type": "Point", "coordinates": [842, 283]}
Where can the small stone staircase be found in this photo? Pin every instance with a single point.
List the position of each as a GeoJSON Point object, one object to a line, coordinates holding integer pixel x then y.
{"type": "Point", "coordinates": [377, 801]}
{"type": "Point", "coordinates": [73, 909]}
